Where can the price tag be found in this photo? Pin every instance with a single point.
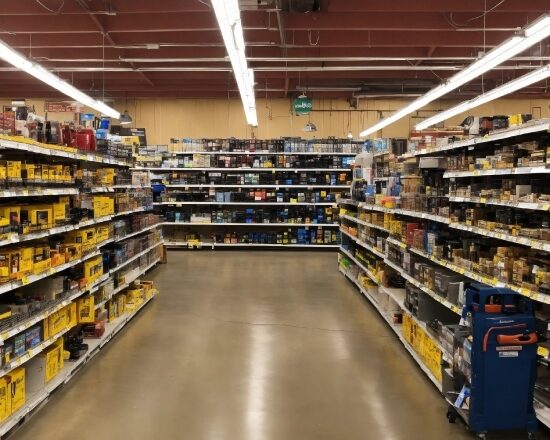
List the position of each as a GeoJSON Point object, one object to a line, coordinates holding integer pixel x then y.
{"type": "Point", "coordinates": [482, 200]}
{"type": "Point", "coordinates": [25, 280]}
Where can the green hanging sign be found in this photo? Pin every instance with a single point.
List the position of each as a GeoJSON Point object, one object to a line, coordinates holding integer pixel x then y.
{"type": "Point", "coordinates": [303, 105]}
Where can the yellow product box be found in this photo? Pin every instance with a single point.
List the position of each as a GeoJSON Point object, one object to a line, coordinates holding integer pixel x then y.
{"type": "Point", "coordinates": [5, 398]}
{"type": "Point", "coordinates": [37, 216]}
{"type": "Point", "coordinates": [106, 176]}
{"type": "Point", "coordinates": [57, 172]}
{"type": "Point", "coordinates": [60, 211]}
{"type": "Point", "coordinates": [5, 265]}
{"type": "Point", "coordinates": [41, 259]}
{"type": "Point", "coordinates": [54, 360]}
{"type": "Point", "coordinates": [85, 237]}
{"type": "Point", "coordinates": [17, 388]}
{"type": "Point", "coordinates": [85, 309]}
{"type": "Point", "coordinates": [93, 269]}
{"type": "Point", "coordinates": [71, 315]}
{"type": "Point", "coordinates": [102, 233]}
{"type": "Point", "coordinates": [53, 324]}
{"type": "Point", "coordinates": [66, 175]}
{"type": "Point", "coordinates": [3, 171]}
{"type": "Point", "coordinates": [103, 205]}
{"type": "Point", "coordinates": [13, 169]}
{"type": "Point", "coordinates": [71, 251]}
{"type": "Point", "coordinates": [112, 310]}
{"type": "Point", "coordinates": [12, 213]}
{"type": "Point", "coordinates": [28, 171]}
{"type": "Point", "coordinates": [121, 304]}
{"type": "Point", "coordinates": [45, 173]}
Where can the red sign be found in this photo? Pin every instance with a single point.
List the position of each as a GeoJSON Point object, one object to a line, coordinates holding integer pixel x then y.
{"type": "Point", "coordinates": [62, 107]}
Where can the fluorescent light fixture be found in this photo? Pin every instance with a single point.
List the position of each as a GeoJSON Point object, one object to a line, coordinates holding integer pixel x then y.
{"type": "Point", "coordinates": [229, 19]}
{"type": "Point", "coordinates": [509, 87]}
{"type": "Point", "coordinates": [527, 37]}
{"type": "Point", "coordinates": [16, 59]}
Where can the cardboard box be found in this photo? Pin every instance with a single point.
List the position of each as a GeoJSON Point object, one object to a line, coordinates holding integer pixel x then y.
{"type": "Point", "coordinates": [17, 388]}
{"type": "Point", "coordinates": [85, 309]}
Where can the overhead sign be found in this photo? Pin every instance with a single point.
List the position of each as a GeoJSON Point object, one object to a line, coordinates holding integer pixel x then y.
{"type": "Point", "coordinates": [62, 107]}
{"type": "Point", "coordinates": [303, 105]}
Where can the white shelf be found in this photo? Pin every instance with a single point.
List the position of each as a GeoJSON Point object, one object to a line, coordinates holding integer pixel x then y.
{"type": "Point", "coordinates": [416, 214]}
{"type": "Point", "coordinates": [126, 284]}
{"type": "Point", "coordinates": [543, 206]}
{"type": "Point", "coordinates": [12, 285]}
{"type": "Point", "coordinates": [133, 211]}
{"type": "Point", "coordinates": [262, 153]}
{"type": "Point", "coordinates": [37, 192]}
{"type": "Point", "coordinates": [259, 185]}
{"type": "Point", "coordinates": [359, 264]}
{"type": "Point", "coordinates": [242, 170]}
{"type": "Point", "coordinates": [527, 128]}
{"type": "Point", "coordinates": [103, 189]}
{"type": "Point", "coordinates": [135, 257]}
{"type": "Point", "coordinates": [70, 368]}
{"type": "Point", "coordinates": [531, 242]}
{"type": "Point", "coordinates": [289, 225]}
{"type": "Point", "coordinates": [367, 246]}
{"type": "Point", "coordinates": [215, 245]}
{"type": "Point", "coordinates": [36, 148]}
{"type": "Point", "coordinates": [15, 238]}
{"type": "Point", "coordinates": [498, 172]}
{"type": "Point", "coordinates": [348, 202]}
{"type": "Point", "coordinates": [141, 231]}
{"type": "Point", "coordinates": [364, 223]}
{"type": "Point", "coordinates": [397, 330]}
{"type": "Point", "coordinates": [252, 203]}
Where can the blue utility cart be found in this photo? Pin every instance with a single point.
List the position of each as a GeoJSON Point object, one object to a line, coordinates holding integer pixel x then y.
{"type": "Point", "coordinates": [495, 363]}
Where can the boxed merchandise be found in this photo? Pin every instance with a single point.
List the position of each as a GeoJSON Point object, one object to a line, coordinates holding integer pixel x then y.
{"type": "Point", "coordinates": [44, 367]}
{"type": "Point", "coordinates": [16, 389]}
{"type": "Point", "coordinates": [85, 309]}
{"type": "Point", "coordinates": [85, 237]}
{"type": "Point", "coordinates": [93, 269]}
{"type": "Point", "coordinates": [37, 216]}
{"type": "Point", "coordinates": [102, 233]}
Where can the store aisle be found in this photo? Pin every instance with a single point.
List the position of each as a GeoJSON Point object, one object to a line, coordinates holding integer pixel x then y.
{"type": "Point", "coordinates": [250, 346]}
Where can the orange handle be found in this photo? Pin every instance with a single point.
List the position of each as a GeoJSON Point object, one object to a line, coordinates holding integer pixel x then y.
{"type": "Point", "coordinates": [529, 339]}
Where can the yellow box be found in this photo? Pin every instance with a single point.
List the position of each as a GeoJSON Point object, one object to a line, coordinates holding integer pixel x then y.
{"type": "Point", "coordinates": [41, 259]}
{"type": "Point", "coordinates": [71, 315]}
{"type": "Point", "coordinates": [28, 171]}
{"type": "Point", "coordinates": [112, 310]}
{"type": "Point", "coordinates": [71, 251]}
{"type": "Point", "coordinates": [106, 176]}
{"type": "Point", "coordinates": [5, 398]}
{"type": "Point", "coordinates": [102, 233]}
{"type": "Point", "coordinates": [17, 388]}
{"type": "Point", "coordinates": [66, 175]}
{"type": "Point", "coordinates": [60, 212]}
{"type": "Point", "coordinates": [13, 168]}
{"type": "Point", "coordinates": [85, 237]}
{"type": "Point", "coordinates": [3, 171]}
{"type": "Point", "coordinates": [45, 173]}
{"type": "Point", "coordinates": [57, 172]}
{"type": "Point", "coordinates": [38, 216]}
{"type": "Point", "coordinates": [54, 360]}
{"type": "Point", "coordinates": [85, 309]}
{"type": "Point", "coordinates": [12, 214]}
{"type": "Point", "coordinates": [93, 269]}
{"type": "Point", "coordinates": [103, 205]}
{"type": "Point", "coordinates": [121, 304]}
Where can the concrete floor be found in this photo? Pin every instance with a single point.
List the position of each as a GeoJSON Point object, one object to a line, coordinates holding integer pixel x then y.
{"type": "Point", "coordinates": [250, 346]}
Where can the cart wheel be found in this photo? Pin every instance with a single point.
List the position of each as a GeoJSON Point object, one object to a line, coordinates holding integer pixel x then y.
{"type": "Point", "coordinates": [451, 415]}
{"type": "Point", "coordinates": [531, 435]}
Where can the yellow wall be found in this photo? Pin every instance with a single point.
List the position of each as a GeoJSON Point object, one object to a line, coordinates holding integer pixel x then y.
{"type": "Point", "coordinates": [164, 118]}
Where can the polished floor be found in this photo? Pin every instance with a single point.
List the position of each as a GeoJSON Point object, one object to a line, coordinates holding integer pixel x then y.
{"type": "Point", "coordinates": [250, 346]}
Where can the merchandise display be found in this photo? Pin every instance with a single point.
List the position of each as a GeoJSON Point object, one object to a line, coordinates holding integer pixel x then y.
{"type": "Point", "coordinates": [73, 249]}
{"type": "Point", "coordinates": [235, 190]}
{"type": "Point", "coordinates": [433, 217]}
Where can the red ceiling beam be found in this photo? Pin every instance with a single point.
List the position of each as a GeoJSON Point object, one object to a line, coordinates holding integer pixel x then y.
{"type": "Point", "coordinates": [473, 6]}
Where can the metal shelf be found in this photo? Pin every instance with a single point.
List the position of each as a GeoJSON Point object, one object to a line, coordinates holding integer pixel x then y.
{"type": "Point", "coordinates": [35, 401]}
{"type": "Point", "coordinates": [498, 172]}
{"type": "Point", "coordinates": [251, 203]}
{"type": "Point", "coordinates": [215, 245]}
{"type": "Point", "coordinates": [527, 128]}
{"type": "Point", "coordinates": [262, 153]}
{"type": "Point", "coordinates": [289, 225]}
{"type": "Point", "coordinates": [208, 185]}
{"type": "Point", "coordinates": [242, 170]}
{"type": "Point", "coordinates": [544, 206]}
{"type": "Point", "coordinates": [28, 145]}
{"type": "Point", "coordinates": [37, 192]}
{"type": "Point", "coordinates": [364, 223]}
{"type": "Point", "coordinates": [367, 246]}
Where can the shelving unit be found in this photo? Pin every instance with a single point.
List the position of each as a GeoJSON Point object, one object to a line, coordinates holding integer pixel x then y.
{"type": "Point", "coordinates": [431, 234]}
{"type": "Point", "coordinates": [217, 193]}
{"type": "Point", "coordinates": [114, 212]}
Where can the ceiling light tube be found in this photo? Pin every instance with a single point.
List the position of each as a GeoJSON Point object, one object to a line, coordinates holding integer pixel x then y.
{"type": "Point", "coordinates": [229, 19]}
{"type": "Point", "coordinates": [505, 89]}
{"type": "Point", "coordinates": [530, 35]}
{"type": "Point", "coordinates": [16, 59]}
